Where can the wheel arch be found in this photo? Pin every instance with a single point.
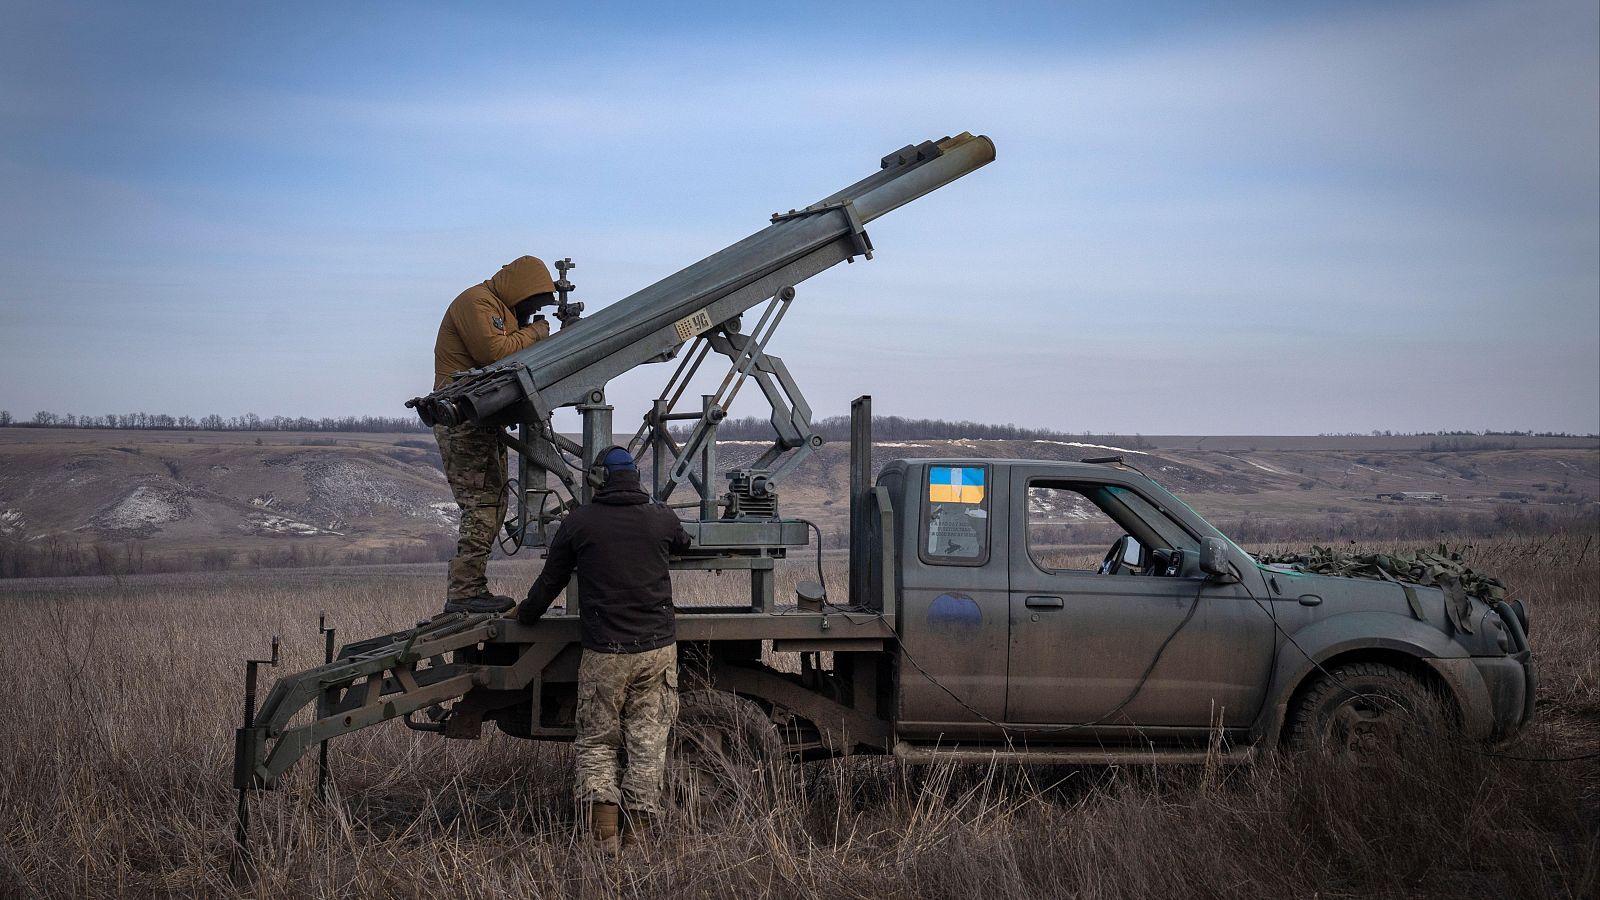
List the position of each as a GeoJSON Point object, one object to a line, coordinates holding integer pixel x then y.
{"type": "Point", "coordinates": [1386, 638]}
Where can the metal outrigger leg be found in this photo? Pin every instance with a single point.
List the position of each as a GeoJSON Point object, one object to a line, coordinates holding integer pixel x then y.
{"type": "Point", "coordinates": [241, 832]}
{"type": "Point", "coordinates": [322, 704]}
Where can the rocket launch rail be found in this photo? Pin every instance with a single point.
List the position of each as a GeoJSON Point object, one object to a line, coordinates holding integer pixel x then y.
{"type": "Point", "coordinates": [701, 306]}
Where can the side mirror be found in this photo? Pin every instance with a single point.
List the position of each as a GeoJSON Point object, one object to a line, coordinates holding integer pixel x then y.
{"type": "Point", "coordinates": [1132, 553]}
{"type": "Point", "coordinates": [1214, 561]}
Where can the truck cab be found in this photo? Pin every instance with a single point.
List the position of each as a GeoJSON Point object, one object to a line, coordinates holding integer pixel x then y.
{"type": "Point", "coordinates": [1017, 630]}
{"type": "Point", "coordinates": [1026, 626]}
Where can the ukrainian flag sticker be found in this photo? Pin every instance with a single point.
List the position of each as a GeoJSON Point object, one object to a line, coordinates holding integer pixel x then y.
{"type": "Point", "coordinates": [955, 484]}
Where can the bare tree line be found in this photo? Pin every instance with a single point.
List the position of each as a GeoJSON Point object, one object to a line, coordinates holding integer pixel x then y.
{"type": "Point", "coordinates": [143, 421]}
{"type": "Point", "coordinates": [832, 428]}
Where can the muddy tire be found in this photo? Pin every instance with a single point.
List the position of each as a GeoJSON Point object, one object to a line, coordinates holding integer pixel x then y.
{"type": "Point", "coordinates": [1365, 708]}
{"type": "Point", "coordinates": [721, 754]}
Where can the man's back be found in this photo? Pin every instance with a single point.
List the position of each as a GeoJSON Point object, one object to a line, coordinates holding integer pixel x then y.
{"type": "Point", "coordinates": [482, 324]}
{"type": "Point", "coordinates": [619, 544]}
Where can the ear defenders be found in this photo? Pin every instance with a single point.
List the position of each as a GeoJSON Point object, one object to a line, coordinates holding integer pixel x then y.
{"type": "Point", "coordinates": [597, 472]}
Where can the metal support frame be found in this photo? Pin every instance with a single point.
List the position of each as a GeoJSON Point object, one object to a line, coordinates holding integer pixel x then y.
{"type": "Point", "coordinates": [721, 544]}
{"type": "Point", "coordinates": [763, 580]}
{"type": "Point", "coordinates": [324, 702]}
{"type": "Point", "coordinates": [860, 484]}
{"type": "Point", "coordinates": [597, 436]}
{"type": "Point", "coordinates": [371, 681]}
{"type": "Point", "coordinates": [539, 450]}
{"type": "Point", "coordinates": [694, 461]}
{"type": "Point", "coordinates": [398, 674]}
{"type": "Point", "coordinates": [710, 414]}
{"type": "Point", "coordinates": [241, 832]}
{"type": "Point", "coordinates": [840, 727]}
{"type": "Point", "coordinates": [533, 495]}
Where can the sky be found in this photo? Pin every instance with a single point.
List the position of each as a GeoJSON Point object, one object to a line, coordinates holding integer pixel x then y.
{"type": "Point", "coordinates": [1250, 218]}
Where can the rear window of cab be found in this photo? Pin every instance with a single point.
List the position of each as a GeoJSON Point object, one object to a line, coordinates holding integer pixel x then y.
{"type": "Point", "coordinates": [955, 516]}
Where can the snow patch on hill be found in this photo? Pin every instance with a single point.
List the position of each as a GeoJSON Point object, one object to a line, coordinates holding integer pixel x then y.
{"type": "Point", "coordinates": [1266, 468]}
{"type": "Point", "coordinates": [1092, 446]}
{"type": "Point", "coordinates": [261, 523]}
{"type": "Point", "coordinates": [339, 490]}
{"type": "Point", "coordinates": [145, 507]}
{"type": "Point", "coordinates": [349, 484]}
{"type": "Point", "coordinates": [1053, 506]}
{"type": "Point", "coordinates": [448, 513]}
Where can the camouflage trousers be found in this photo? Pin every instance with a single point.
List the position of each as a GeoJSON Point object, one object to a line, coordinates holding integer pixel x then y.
{"type": "Point", "coordinates": [475, 465]}
{"type": "Point", "coordinates": [626, 702]}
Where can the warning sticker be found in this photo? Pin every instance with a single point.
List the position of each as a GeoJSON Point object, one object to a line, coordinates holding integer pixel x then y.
{"type": "Point", "coordinates": [692, 325]}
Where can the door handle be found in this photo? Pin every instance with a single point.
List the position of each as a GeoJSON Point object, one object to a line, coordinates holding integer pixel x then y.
{"type": "Point", "coordinates": [1044, 602]}
{"type": "Point", "coordinates": [1309, 599]}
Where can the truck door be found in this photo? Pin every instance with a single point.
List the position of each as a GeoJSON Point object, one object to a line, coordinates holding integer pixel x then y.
{"type": "Point", "coordinates": [1085, 628]}
{"type": "Point", "coordinates": [954, 616]}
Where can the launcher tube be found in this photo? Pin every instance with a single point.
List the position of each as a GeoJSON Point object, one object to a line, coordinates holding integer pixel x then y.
{"type": "Point", "coordinates": [641, 328]}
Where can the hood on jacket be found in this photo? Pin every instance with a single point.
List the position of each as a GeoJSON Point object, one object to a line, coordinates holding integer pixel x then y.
{"type": "Point", "coordinates": [622, 488]}
{"type": "Point", "coordinates": [520, 279]}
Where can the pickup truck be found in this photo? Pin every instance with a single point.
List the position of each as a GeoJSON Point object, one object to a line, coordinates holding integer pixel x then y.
{"type": "Point", "coordinates": [978, 633]}
{"type": "Point", "coordinates": [971, 627]}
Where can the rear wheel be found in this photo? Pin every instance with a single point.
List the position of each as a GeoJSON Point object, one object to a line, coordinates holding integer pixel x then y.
{"type": "Point", "coordinates": [1364, 708]}
{"type": "Point", "coordinates": [722, 751]}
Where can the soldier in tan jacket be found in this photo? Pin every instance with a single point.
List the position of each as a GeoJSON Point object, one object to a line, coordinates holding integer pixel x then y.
{"type": "Point", "coordinates": [488, 322]}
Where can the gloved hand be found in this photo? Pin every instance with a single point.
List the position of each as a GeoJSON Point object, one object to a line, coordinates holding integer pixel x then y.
{"type": "Point", "coordinates": [529, 610]}
{"type": "Point", "coordinates": [526, 309]}
{"type": "Point", "coordinates": [525, 614]}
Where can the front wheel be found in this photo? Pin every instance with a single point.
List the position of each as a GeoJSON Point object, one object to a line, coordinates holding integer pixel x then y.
{"type": "Point", "coordinates": [1366, 707]}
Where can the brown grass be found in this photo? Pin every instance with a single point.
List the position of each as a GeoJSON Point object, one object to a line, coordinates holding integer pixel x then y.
{"type": "Point", "coordinates": [122, 696]}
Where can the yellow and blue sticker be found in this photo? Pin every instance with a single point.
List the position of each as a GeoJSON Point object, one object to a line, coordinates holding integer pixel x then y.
{"type": "Point", "coordinates": [955, 484]}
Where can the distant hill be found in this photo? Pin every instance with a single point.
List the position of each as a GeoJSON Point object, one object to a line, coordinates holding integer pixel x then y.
{"type": "Point", "coordinates": [86, 500]}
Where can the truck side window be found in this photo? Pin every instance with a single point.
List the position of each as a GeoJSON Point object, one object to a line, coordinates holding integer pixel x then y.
{"type": "Point", "coordinates": [1066, 530]}
{"type": "Point", "coordinates": [955, 515]}
{"type": "Point", "coordinates": [1072, 524]}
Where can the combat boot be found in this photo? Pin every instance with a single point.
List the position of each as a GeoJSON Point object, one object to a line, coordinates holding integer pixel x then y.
{"type": "Point", "coordinates": [636, 830]}
{"type": "Point", "coordinates": [483, 603]}
{"type": "Point", "coordinates": [603, 827]}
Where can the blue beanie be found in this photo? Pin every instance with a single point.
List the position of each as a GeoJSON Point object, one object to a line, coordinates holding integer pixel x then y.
{"type": "Point", "coordinates": [618, 460]}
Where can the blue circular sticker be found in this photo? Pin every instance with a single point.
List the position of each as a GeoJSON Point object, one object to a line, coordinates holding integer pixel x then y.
{"type": "Point", "coordinates": [954, 613]}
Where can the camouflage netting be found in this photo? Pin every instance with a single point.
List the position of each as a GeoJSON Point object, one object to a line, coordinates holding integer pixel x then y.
{"type": "Point", "coordinates": [1441, 568]}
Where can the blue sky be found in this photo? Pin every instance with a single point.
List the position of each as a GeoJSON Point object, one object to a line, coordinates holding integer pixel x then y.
{"type": "Point", "coordinates": [1203, 218]}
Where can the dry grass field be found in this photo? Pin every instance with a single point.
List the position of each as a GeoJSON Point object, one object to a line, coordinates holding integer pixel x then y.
{"type": "Point", "coordinates": [121, 696]}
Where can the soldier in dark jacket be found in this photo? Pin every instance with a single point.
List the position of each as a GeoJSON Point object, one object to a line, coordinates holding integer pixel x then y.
{"type": "Point", "coordinates": [619, 544]}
